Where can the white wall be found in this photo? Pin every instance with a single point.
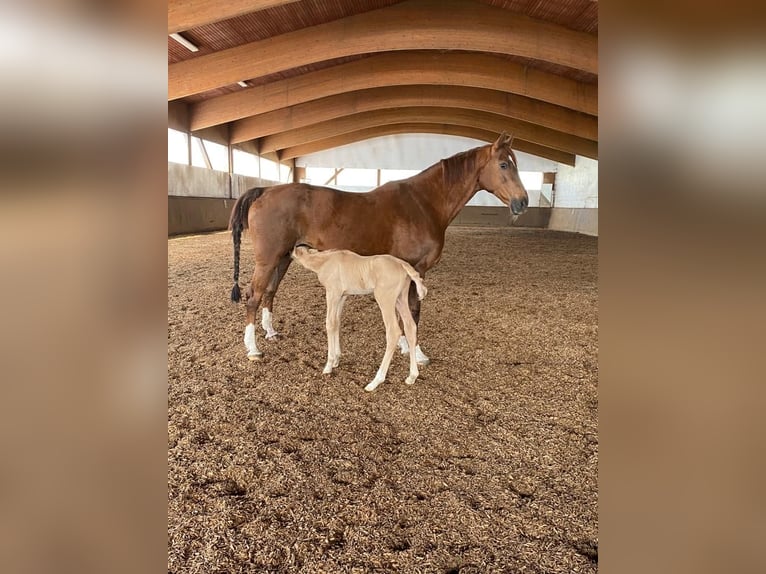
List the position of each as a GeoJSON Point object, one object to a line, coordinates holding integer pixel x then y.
{"type": "Point", "coordinates": [575, 202]}
{"type": "Point", "coordinates": [577, 186]}
{"type": "Point", "coordinates": [408, 151]}
{"type": "Point", "coordinates": [416, 151]}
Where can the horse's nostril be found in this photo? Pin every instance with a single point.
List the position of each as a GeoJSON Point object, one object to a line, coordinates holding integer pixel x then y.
{"type": "Point", "coordinates": [518, 205]}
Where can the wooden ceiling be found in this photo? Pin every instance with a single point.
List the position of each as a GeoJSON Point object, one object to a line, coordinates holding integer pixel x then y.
{"type": "Point", "coordinates": [325, 73]}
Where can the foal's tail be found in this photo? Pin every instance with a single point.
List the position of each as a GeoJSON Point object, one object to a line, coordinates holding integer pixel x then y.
{"type": "Point", "coordinates": [237, 223]}
{"type": "Point", "coordinates": [415, 276]}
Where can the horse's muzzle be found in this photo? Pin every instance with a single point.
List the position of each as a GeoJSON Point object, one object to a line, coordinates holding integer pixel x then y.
{"type": "Point", "coordinates": [519, 206]}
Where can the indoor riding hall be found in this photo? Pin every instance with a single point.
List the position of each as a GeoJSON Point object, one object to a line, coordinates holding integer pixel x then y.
{"type": "Point", "coordinates": [489, 461]}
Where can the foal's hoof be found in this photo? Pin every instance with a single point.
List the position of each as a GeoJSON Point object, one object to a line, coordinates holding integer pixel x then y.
{"type": "Point", "coordinates": [423, 362]}
{"type": "Point", "coordinates": [273, 335]}
{"type": "Point", "coordinates": [410, 380]}
{"type": "Point", "coordinates": [255, 357]}
{"type": "Point", "coordinates": [372, 385]}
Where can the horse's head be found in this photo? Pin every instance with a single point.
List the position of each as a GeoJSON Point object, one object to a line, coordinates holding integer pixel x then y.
{"type": "Point", "coordinates": [500, 175]}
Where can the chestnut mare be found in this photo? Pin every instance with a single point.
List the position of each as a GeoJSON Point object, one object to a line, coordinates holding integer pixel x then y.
{"type": "Point", "coordinates": [406, 219]}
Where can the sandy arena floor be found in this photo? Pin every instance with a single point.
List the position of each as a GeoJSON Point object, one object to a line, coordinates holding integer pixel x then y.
{"type": "Point", "coordinates": [487, 464]}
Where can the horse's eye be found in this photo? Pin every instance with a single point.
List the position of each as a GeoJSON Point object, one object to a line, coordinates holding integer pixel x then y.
{"type": "Point", "coordinates": [503, 165]}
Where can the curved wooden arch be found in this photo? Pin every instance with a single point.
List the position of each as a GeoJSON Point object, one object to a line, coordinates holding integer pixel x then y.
{"type": "Point", "coordinates": [412, 25]}
{"type": "Point", "coordinates": [502, 103]}
{"type": "Point", "coordinates": [398, 69]}
{"type": "Point", "coordinates": [428, 128]}
{"type": "Point", "coordinates": [456, 116]}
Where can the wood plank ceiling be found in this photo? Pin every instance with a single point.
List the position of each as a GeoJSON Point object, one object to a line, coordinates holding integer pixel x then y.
{"type": "Point", "coordinates": [324, 73]}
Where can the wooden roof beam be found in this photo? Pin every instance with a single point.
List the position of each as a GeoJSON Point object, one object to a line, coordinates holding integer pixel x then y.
{"type": "Point", "coordinates": [411, 25]}
{"type": "Point", "coordinates": [188, 14]}
{"type": "Point", "coordinates": [399, 69]}
{"type": "Point", "coordinates": [519, 107]}
{"type": "Point", "coordinates": [466, 117]}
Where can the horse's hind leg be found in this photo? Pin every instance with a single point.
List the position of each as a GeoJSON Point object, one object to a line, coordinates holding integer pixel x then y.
{"type": "Point", "coordinates": [254, 293]}
{"type": "Point", "coordinates": [268, 296]}
{"type": "Point", "coordinates": [404, 347]}
{"type": "Point", "coordinates": [411, 333]}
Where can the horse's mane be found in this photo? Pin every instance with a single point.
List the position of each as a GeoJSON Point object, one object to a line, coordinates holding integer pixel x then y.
{"type": "Point", "coordinates": [457, 166]}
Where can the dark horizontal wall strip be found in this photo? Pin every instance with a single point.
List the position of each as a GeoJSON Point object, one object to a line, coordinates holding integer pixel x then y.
{"type": "Point", "coordinates": [478, 215]}
{"type": "Point", "coordinates": [202, 214]}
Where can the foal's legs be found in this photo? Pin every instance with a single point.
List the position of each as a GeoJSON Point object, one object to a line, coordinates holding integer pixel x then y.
{"type": "Point", "coordinates": [387, 303]}
{"type": "Point", "coordinates": [268, 296]}
{"type": "Point", "coordinates": [414, 304]}
{"type": "Point", "coordinates": [411, 334]}
{"type": "Point", "coordinates": [335, 301]}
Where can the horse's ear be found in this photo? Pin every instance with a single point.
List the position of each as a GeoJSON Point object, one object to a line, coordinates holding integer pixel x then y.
{"type": "Point", "coordinates": [500, 141]}
{"type": "Point", "coordinates": [508, 140]}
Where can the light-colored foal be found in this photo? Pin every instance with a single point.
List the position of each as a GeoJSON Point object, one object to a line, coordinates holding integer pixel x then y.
{"type": "Point", "coordinates": [344, 273]}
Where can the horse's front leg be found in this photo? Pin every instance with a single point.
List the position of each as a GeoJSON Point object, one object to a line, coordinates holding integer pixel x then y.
{"type": "Point", "coordinates": [414, 303]}
{"type": "Point", "coordinates": [332, 325]}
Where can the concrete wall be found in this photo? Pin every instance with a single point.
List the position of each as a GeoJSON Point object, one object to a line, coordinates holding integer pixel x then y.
{"type": "Point", "coordinates": [579, 220]}
{"type": "Point", "coordinates": [201, 199]}
{"type": "Point", "coordinates": [197, 214]}
{"type": "Point", "coordinates": [491, 216]}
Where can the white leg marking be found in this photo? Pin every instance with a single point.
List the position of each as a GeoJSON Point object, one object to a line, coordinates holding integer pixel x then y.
{"type": "Point", "coordinates": [421, 357]}
{"type": "Point", "coordinates": [410, 331]}
{"type": "Point", "coordinates": [373, 384]}
{"type": "Point", "coordinates": [266, 324]}
{"type": "Point", "coordinates": [252, 349]}
{"type": "Point", "coordinates": [404, 348]}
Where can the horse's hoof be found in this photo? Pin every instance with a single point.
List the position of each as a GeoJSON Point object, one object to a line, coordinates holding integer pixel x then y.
{"type": "Point", "coordinates": [256, 357]}
{"type": "Point", "coordinates": [423, 361]}
{"type": "Point", "coordinates": [372, 385]}
{"type": "Point", "coordinates": [274, 335]}
{"type": "Point", "coordinates": [410, 380]}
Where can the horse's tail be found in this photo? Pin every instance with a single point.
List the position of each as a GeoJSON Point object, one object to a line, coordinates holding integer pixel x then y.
{"type": "Point", "coordinates": [415, 276]}
{"type": "Point", "coordinates": [238, 223]}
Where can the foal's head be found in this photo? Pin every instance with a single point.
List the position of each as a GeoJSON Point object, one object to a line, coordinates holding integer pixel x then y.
{"type": "Point", "coordinates": [500, 175]}
{"type": "Point", "coordinates": [307, 256]}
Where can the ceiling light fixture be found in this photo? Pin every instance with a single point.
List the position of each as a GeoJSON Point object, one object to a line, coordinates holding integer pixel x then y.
{"type": "Point", "coordinates": [243, 84]}
{"type": "Point", "coordinates": [184, 42]}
